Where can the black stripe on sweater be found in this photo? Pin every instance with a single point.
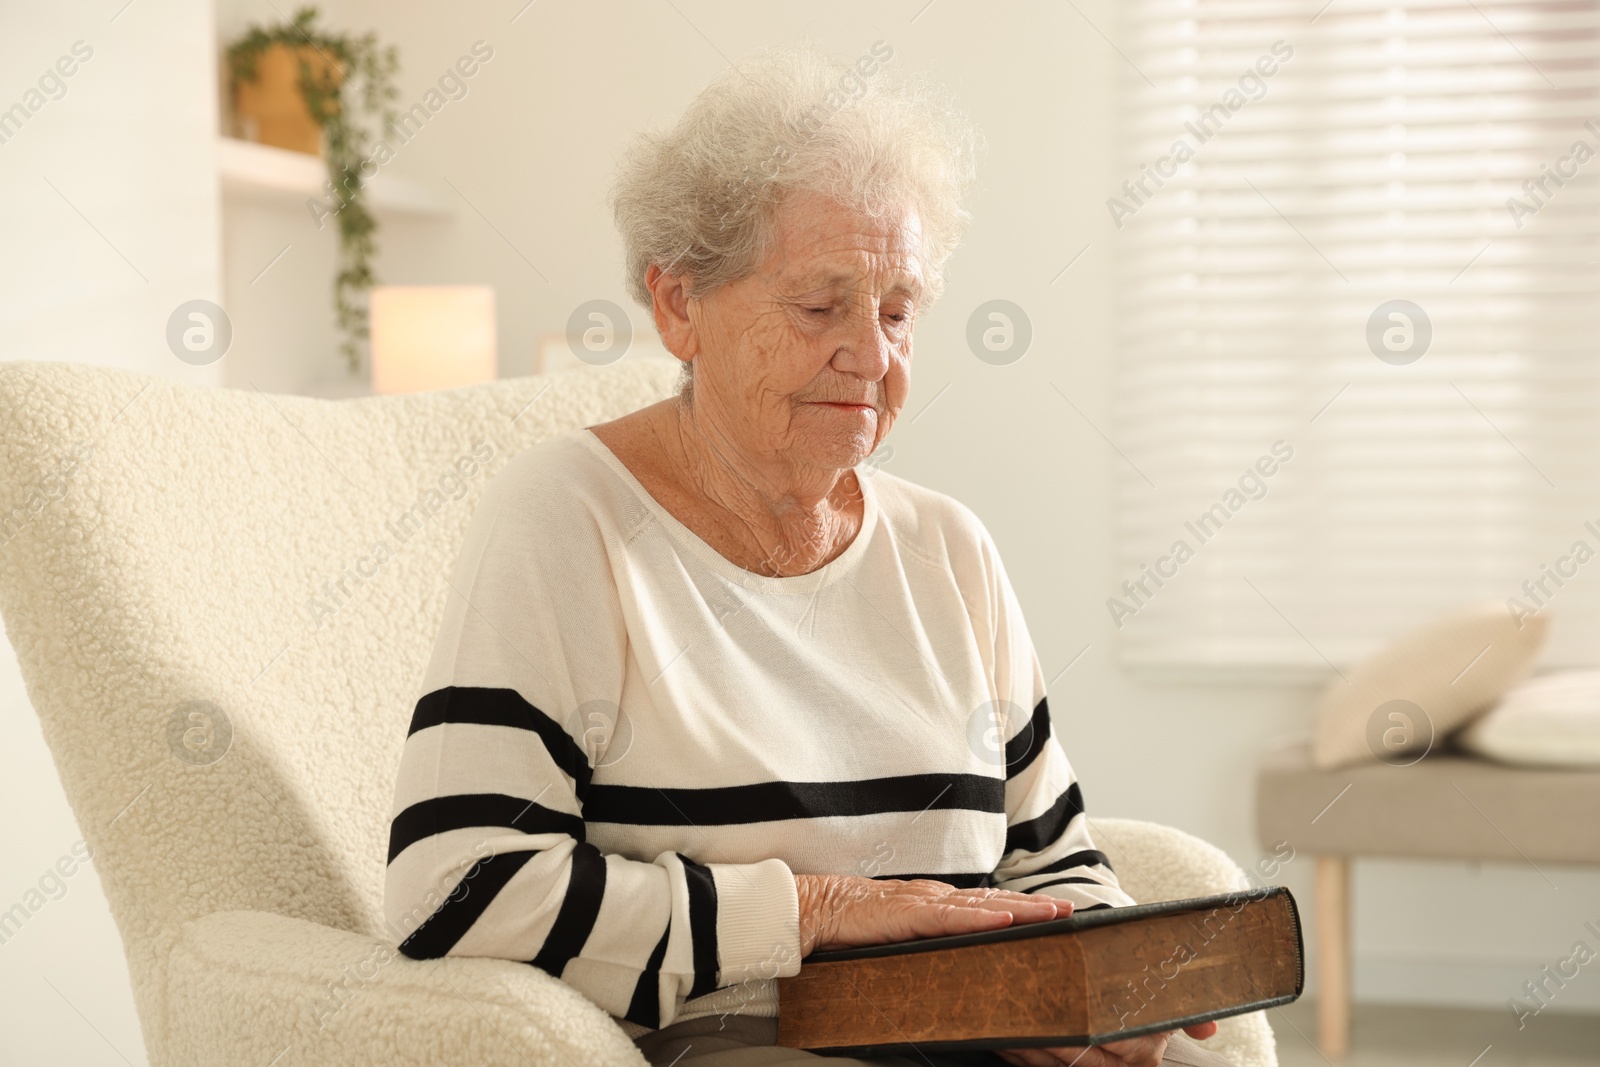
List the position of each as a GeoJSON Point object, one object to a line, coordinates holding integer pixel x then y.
{"type": "Point", "coordinates": [580, 907]}
{"type": "Point", "coordinates": [1023, 749]}
{"type": "Point", "coordinates": [503, 707]}
{"type": "Point", "coordinates": [631, 805]}
{"type": "Point", "coordinates": [1075, 880]}
{"type": "Point", "coordinates": [960, 881]}
{"type": "Point", "coordinates": [1086, 858]}
{"type": "Point", "coordinates": [440, 931]}
{"type": "Point", "coordinates": [645, 1008]}
{"type": "Point", "coordinates": [438, 815]}
{"type": "Point", "coordinates": [1036, 834]}
{"type": "Point", "coordinates": [702, 924]}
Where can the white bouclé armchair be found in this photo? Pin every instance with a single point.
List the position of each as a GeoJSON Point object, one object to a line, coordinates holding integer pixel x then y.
{"type": "Point", "coordinates": [222, 603]}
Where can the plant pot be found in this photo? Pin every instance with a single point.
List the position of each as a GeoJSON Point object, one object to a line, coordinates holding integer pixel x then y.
{"type": "Point", "coordinates": [272, 110]}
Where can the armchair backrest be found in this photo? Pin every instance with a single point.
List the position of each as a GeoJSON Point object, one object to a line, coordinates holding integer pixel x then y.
{"type": "Point", "coordinates": [222, 603]}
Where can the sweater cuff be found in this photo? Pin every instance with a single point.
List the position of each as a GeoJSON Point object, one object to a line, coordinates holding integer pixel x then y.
{"type": "Point", "coordinates": [758, 921]}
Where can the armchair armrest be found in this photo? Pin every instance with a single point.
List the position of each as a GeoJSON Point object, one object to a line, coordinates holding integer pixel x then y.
{"type": "Point", "coordinates": [253, 987]}
{"type": "Point", "coordinates": [1155, 862]}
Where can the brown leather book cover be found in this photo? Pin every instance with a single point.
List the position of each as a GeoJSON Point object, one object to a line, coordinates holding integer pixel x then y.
{"type": "Point", "coordinates": [1083, 980]}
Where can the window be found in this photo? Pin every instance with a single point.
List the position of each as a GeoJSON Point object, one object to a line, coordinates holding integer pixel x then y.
{"type": "Point", "coordinates": [1358, 248]}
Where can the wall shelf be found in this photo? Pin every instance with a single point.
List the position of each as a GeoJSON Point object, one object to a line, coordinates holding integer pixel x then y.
{"type": "Point", "coordinates": [251, 169]}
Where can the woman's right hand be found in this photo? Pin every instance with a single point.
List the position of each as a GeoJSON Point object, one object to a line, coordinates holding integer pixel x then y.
{"type": "Point", "coordinates": [845, 910]}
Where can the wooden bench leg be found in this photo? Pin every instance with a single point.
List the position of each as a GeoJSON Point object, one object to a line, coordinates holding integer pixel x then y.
{"type": "Point", "coordinates": [1333, 955]}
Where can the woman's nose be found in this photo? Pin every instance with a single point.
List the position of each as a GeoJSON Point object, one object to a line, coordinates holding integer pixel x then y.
{"type": "Point", "coordinates": [865, 351]}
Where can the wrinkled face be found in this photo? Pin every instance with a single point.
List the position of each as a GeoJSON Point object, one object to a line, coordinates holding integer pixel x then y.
{"type": "Point", "coordinates": [807, 362]}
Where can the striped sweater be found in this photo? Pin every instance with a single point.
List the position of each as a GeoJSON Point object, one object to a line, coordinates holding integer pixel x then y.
{"type": "Point", "coordinates": [626, 746]}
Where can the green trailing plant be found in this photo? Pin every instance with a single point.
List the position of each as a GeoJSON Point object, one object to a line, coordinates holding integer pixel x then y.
{"type": "Point", "coordinates": [355, 88]}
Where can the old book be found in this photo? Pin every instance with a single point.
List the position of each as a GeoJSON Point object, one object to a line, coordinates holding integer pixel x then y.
{"type": "Point", "coordinates": [1086, 979]}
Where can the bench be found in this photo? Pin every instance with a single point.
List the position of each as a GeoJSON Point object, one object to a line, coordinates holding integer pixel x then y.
{"type": "Point", "coordinates": [1446, 806]}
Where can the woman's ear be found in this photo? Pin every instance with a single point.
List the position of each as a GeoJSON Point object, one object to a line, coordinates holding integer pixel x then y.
{"type": "Point", "coordinates": [671, 308]}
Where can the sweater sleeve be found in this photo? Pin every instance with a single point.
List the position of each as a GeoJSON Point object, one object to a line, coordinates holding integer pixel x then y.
{"type": "Point", "coordinates": [1048, 847]}
{"type": "Point", "coordinates": [487, 850]}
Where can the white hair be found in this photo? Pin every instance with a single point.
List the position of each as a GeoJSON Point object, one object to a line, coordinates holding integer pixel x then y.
{"type": "Point", "coordinates": [700, 199]}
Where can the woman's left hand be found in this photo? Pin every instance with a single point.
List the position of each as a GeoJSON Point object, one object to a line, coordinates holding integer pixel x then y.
{"type": "Point", "coordinates": [1146, 1051]}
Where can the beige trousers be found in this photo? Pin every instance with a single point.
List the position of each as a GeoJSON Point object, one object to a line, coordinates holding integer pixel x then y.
{"type": "Point", "coordinates": [747, 1041]}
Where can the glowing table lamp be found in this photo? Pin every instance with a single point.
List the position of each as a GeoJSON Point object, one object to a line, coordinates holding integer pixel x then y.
{"type": "Point", "coordinates": [427, 337]}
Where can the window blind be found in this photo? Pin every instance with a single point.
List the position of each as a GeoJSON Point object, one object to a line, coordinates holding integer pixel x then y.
{"type": "Point", "coordinates": [1358, 249]}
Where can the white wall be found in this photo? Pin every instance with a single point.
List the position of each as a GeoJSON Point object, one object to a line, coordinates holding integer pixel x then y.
{"type": "Point", "coordinates": [110, 224]}
{"type": "Point", "coordinates": [531, 147]}
{"type": "Point", "coordinates": [110, 197]}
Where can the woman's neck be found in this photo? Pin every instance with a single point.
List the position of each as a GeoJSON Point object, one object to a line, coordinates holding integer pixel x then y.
{"type": "Point", "coordinates": [777, 519]}
{"type": "Point", "coordinates": [765, 518]}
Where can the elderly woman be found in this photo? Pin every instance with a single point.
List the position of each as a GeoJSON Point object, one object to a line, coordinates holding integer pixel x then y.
{"type": "Point", "coordinates": [710, 693]}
